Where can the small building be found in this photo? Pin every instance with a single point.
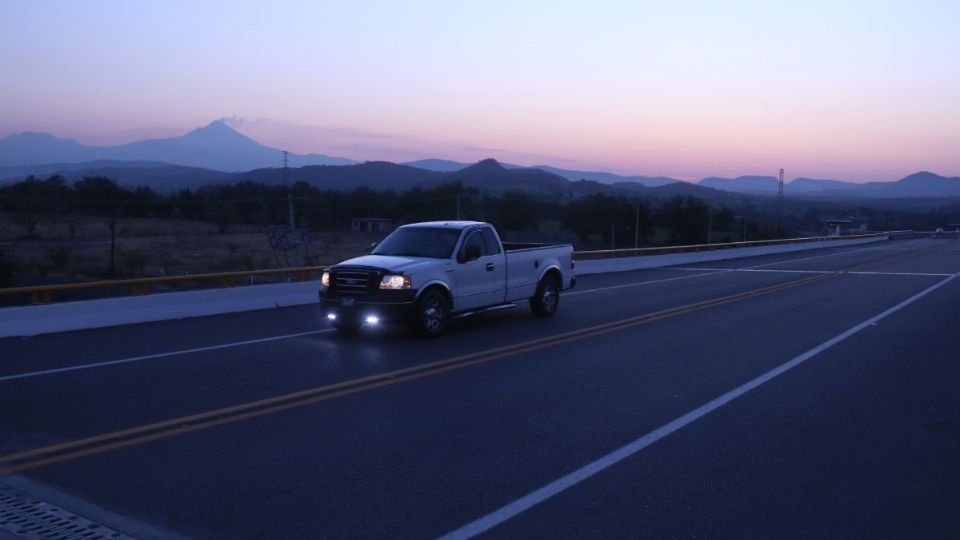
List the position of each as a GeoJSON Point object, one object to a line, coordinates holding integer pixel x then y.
{"type": "Point", "coordinates": [843, 227]}
{"type": "Point", "coordinates": [377, 225]}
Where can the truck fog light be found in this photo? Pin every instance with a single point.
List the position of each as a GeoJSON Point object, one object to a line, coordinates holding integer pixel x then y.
{"type": "Point", "coordinates": [372, 319]}
{"type": "Point", "coordinates": [332, 316]}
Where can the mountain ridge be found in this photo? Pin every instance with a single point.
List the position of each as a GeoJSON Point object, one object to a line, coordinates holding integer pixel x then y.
{"type": "Point", "coordinates": [217, 152]}
{"type": "Point", "coordinates": [215, 146]}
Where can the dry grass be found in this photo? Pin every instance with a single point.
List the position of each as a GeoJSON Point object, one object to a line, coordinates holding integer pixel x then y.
{"type": "Point", "coordinates": [79, 248]}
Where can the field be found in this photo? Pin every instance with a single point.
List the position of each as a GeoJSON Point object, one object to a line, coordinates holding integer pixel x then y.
{"type": "Point", "coordinates": [79, 248]}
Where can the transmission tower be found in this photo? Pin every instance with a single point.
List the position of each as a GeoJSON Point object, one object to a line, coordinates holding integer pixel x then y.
{"type": "Point", "coordinates": [779, 201]}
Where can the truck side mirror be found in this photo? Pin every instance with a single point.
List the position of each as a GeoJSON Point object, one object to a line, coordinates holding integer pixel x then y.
{"type": "Point", "coordinates": [470, 253]}
{"type": "Point", "coordinates": [373, 245]}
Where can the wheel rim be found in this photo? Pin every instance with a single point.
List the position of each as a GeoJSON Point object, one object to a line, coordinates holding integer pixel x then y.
{"type": "Point", "coordinates": [549, 300]}
{"type": "Point", "coordinates": [433, 316]}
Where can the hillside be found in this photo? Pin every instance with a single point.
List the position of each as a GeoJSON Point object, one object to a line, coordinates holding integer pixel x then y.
{"type": "Point", "coordinates": [743, 184]}
{"type": "Point", "coordinates": [216, 146]}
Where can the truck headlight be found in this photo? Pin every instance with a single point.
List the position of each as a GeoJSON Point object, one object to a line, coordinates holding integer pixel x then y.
{"type": "Point", "coordinates": [325, 279]}
{"type": "Point", "coordinates": [395, 282]}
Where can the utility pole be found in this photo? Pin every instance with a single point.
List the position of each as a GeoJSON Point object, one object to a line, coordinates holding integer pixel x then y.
{"type": "Point", "coordinates": [636, 228]}
{"type": "Point", "coordinates": [286, 182]}
{"type": "Point", "coordinates": [710, 225]}
{"type": "Point", "coordinates": [458, 207]}
{"type": "Point", "coordinates": [113, 243]}
{"type": "Point", "coordinates": [613, 237]}
{"type": "Point", "coordinates": [779, 203]}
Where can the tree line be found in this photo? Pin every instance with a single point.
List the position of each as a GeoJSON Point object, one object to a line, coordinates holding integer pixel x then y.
{"type": "Point", "coordinates": [599, 220]}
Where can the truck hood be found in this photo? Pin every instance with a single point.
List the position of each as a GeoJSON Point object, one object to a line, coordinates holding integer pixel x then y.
{"type": "Point", "coordinates": [390, 263]}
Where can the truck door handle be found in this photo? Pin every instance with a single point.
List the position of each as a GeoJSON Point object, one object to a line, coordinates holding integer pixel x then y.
{"type": "Point", "coordinates": [489, 267]}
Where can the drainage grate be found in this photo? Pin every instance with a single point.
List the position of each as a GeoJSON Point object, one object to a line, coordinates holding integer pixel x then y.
{"type": "Point", "coordinates": [30, 518]}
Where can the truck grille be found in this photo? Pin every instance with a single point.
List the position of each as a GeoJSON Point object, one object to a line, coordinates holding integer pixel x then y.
{"type": "Point", "coordinates": [351, 281]}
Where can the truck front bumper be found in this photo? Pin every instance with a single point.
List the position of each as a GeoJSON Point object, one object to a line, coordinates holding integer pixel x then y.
{"type": "Point", "coordinates": [378, 308]}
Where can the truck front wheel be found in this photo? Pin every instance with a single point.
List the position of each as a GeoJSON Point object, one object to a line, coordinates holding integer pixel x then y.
{"type": "Point", "coordinates": [547, 298]}
{"type": "Point", "coordinates": [431, 314]}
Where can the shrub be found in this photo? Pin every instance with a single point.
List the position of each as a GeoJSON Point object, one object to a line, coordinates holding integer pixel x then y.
{"type": "Point", "coordinates": [59, 257]}
{"type": "Point", "coordinates": [6, 270]}
{"type": "Point", "coordinates": [133, 261]}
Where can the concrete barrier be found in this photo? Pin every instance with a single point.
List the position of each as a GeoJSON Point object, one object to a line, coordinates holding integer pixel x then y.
{"type": "Point", "coordinates": [80, 315]}
{"type": "Point", "coordinates": [623, 264]}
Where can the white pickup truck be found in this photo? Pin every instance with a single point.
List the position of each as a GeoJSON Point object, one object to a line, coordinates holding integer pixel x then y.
{"type": "Point", "coordinates": [426, 273]}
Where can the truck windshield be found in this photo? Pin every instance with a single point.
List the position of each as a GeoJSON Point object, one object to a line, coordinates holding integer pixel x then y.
{"type": "Point", "coordinates": [431, 242]}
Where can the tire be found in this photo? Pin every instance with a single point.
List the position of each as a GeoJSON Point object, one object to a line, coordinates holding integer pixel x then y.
{"type": "Point", "coordinates": [431, 314]}
{"type": "Point", "coordinates": [547, 298]}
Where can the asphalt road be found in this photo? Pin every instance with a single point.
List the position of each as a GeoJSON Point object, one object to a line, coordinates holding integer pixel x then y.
{"type": "Point", "coordinates": [804, 395]}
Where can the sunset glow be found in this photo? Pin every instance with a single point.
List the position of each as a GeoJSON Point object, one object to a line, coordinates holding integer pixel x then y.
{"type": "Point", "coordinates": [855, 90]}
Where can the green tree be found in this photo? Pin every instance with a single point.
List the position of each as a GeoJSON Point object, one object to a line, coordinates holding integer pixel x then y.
{"type": "Point", "coordinates": [686, 218]}
{"type": "Point", "coordinates": [605, 215]}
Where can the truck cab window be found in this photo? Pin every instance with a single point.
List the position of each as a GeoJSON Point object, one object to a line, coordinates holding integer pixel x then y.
{"type": "Point", "coordinates": [474, 244]}
{"type": "Point", "coordinates": [490, 241]}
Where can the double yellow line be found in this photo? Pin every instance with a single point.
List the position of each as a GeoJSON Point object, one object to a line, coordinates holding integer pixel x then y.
{"type": "Point", "coordinates": [57, 453]}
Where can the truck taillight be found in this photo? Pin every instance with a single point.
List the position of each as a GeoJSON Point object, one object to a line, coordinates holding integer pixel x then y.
{"type": "Point", "coordinates": [573, 260]}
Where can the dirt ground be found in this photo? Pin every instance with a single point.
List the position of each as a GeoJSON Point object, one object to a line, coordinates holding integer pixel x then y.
{"type": "Point", "coordinates": [78, 248]}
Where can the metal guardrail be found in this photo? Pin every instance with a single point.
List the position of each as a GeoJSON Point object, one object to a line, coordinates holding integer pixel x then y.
{"type": "Point", "coordinates": [43, 294]}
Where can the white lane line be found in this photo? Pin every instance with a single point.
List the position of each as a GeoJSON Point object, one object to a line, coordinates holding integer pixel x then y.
{"type": "Point", "coordinates": [625, 285]}
{"type": "Point", "coordinates": [813, 257]}
{"type": "Point", "coordinates": [694, 269]}
{"type": "Point", "coordinates": [757, 270]}
{"type": "Point", "coordinates": [524, 503]}
{"type": "Point", "coordinates": [131, 359]}
{"type": "Point", "coordinates": [784, 271]}
{"type": "Point", "coordinates": [921, 274]}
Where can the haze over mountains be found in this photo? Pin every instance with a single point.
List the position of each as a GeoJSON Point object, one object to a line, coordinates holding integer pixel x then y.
{"type": "Point", "coordinates": [217, 153]}
{"type": "Point", "coordinates": [215, 146]}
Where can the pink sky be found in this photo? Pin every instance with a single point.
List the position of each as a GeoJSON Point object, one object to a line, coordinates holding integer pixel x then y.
{"type": "Point", "coordinates": [854, 91]}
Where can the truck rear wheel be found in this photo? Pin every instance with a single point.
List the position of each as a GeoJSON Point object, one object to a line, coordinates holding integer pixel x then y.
{"type": "Point", "coordinates": [547, 298]}
{"type": "Point", "coordinates": [431, 314]}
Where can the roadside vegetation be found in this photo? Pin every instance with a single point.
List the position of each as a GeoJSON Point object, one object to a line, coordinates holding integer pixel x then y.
{"type": "Point", "coordinates": [51, 230]}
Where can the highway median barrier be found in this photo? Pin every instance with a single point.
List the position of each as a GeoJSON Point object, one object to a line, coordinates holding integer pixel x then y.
{"type": "Point", "coordinates": [622, 260]}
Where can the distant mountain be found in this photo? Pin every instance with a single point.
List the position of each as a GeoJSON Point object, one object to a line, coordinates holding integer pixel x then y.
{"type": "Point", "coordinates": [437, 165]}
{"type": "Point", "coordinates": [30, 148]}
{"type": "Point", "coordinates": [378, 175]}
{"type": "Point", "coordinates": [605, 177]}
{"type": "Point", "coordinates": [743, 184]}
{"type": "Point", "coordinates": [490, 175]}
{"type": "Point", "coordinates": [633, 187]}
{"type": "Point", "coordinates": [808, 185]}
{"type": "Point", "coordinates": [19, 172]}
{"type": "Point", "coordinates": [217, 153]}
{"type": "Point", "coordinates": [487, 175]}
{"type": "Point", "coordinates": [216, 146]}
{"type": "Point", "coordinates": [921, 184]}
{"type": "Point", "coordinates": [443, 165]}
{"type": "Point", "coordinates": [159, 176]}
{"type": "Point", "coordinates": [687, 189]}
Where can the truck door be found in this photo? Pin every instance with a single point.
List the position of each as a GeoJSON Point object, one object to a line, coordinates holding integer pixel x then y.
{"type": "Point", "coordinates": [481, 273]}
